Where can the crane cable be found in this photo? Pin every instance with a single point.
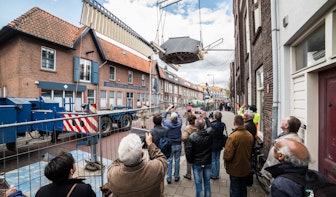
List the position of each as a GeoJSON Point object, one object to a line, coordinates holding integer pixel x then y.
{"type": "Point", "coordinates": [200, 22]}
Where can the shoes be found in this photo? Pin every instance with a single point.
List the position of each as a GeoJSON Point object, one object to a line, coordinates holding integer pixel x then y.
{"type": "Point", "coordinates": [176, 180]}
{"type": "Point", "coordinates": [213, 178]}
{"type": "Point", "coordinates": [169, 182]}
{"type": "Point", "coordinates": [187, 176]}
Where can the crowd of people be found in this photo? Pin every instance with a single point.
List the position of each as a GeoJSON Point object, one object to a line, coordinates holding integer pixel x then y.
{"type": "Point", "coordinates": [202, 138]}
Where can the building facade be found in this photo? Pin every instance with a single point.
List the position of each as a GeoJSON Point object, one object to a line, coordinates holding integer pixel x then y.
{"type": "Point", "coordinates": [75, 66]}
{"type": "Point", "coordinates": [307, 74]}
{"type": "Point", "coordinates": [294, 54]}
{"type": "Point", "coordinates": [252, 76]}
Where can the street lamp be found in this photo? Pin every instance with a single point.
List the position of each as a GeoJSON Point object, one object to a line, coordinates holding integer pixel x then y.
{"type": "Point", "coordinates": [213, 79]}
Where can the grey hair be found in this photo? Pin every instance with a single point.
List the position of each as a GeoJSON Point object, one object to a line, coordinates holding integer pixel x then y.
{"type": "Point", "coordinates": [130, 149]}
{"type": "Point", "coordinates": [249, 113]}
{"type": "Point", "coordinates": [218, 115]}
{"type": "Point", "coordinates": [291, 158]}
{"type": "Point", "coordinates": [200, 123]}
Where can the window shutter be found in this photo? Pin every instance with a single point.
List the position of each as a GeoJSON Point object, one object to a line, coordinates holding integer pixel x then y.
{"type": "Point", "coordinates": [95, 74]}
{"type": "Point", "coordinates": [76, 69]}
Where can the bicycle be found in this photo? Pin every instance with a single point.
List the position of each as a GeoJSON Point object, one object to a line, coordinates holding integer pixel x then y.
{"type": "Point", "coordinates": [257, 162]}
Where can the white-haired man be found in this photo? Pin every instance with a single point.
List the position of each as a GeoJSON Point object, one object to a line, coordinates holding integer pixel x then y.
{"type": "Point", "coordinates": [294, 158]}
{"type": "Point", "coordinates": [131, 175]}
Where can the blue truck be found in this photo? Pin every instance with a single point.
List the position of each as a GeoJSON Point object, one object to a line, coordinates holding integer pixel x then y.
{"type": "Point", "coordinates": [24, 110]}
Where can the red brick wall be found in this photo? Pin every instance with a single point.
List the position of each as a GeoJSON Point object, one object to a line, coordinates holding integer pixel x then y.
{"type": "Point", "coordinates": [261, 55]}
{"type": "Point", "coordinates": [20, 65]}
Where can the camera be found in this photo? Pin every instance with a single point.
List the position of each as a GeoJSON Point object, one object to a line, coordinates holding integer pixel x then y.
{"type": "Point", "coordinates": [173, 107]}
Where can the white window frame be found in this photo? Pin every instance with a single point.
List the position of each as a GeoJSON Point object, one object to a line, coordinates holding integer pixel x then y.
{"type": "Point", "coordinates": [91, 97]}
{"type": "Point", "coordinates": [257, 15]}
{"type": "Point", "coordinates": [260, 95]}
{"type": "Point", "coordinates": [48, 63]}
{"type": "Point", "coordinates": [306, 56]}
{"type": "Point", "coordinates": [130, 77]}
{"type": "Point", "coordinates": [113, 75]}
{"type": "Point", "coordinates": [143, 80]}
{"type": "Point", "coordinates": [85, 67]}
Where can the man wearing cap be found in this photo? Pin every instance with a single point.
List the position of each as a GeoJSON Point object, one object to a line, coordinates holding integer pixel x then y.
{"type": "Point", "coordinates": [174, 133]}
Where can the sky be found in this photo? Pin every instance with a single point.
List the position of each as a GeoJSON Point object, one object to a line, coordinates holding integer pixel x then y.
{"type": "Point", "coordinates": [213, 21]}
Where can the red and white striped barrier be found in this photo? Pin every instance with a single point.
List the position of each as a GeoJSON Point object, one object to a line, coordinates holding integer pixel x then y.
{"type": "Point", "coordinates": [82, 125]}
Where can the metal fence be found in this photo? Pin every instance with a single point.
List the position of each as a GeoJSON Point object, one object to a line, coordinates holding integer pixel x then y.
{"type": "Point", "coordinates": [22, 163]}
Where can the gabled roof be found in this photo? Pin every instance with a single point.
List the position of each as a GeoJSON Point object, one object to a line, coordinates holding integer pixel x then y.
{"type": "Point", "coordinates": [116, 54]}
{"type": "Point", "coordinates": [161, 73]}
{"type": "Point", "coordinates": [41, 24]}
{"type": "Point", "coordinates": [164, 74]}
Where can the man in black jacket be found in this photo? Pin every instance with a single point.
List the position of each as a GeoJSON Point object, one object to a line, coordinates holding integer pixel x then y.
{"type": "Point", "coordinates": [198, 152]}
{"type": "Point", "coordinates": [217, 144]}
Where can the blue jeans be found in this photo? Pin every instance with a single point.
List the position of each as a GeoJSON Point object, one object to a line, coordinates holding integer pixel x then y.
{"type": "Point", "coordinates": [202, 172]}
{"type": "Point", "coordinates": [215, 164]}
{"type": "Point", "coordinates": [238, 186]}
{"type": "Point", "coordinates": [176, 154]}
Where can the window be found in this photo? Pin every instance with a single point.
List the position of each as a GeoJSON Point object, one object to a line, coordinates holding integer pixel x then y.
{"type": "Point", "coordinates": [91, 97]}
{"type": "Point", "coordinates": [257, 15]}
{"type": "Point", "coordinates": [103, 101]}
{"type": "Point", "coordinates": [130, 77]}
{"type": "Point", "coordinates": [112, 100]}
{"type": "Point", "coordinates": [311, 50]}
{"type": "Point", "coordinates": [129, 99]}
{"type": "Point", "coordinates": [119, 98]}
{"type": "Point", "coordinates": [112, 73]}
{"type": "Point", "coordinates": [260, 96]}
{"type": "Point", "coordinates": [85, 70]}
{"type": "Point", "coordinates": [143, 80]}
{"type": "Point", "coordinates": [48, 59]}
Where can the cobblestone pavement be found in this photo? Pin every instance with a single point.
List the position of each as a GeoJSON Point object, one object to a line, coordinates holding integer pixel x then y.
{"type": "Point", "coordinates": [220, 187]}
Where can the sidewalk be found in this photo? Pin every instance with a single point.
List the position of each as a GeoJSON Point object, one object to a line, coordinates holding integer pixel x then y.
{"type": "Point", "coordinates": [220, 187]}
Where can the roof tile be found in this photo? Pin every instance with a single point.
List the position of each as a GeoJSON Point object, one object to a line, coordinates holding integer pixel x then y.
{"type": "Point", "coordinates": [42, 24]}
{"type": "Point", "coordinates": [121, 56]}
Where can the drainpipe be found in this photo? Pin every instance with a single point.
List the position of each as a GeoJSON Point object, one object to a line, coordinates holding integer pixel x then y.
{"type": "Point", "coordinates": [97, 88]}
{"type": "Point", "coordinates": [275, 105]}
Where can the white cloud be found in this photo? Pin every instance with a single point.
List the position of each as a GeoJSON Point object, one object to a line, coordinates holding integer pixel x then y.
{"type": "Point", "coordinates": [182, 19]}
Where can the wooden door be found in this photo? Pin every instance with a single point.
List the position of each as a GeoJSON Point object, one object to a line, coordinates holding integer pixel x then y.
{"type": "Point", "coordinates": [327, 123]}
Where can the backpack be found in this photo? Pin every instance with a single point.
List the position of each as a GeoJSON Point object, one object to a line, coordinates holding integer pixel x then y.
{"type": "Point", "coordinates": [314, 183]}
{"type": "Point", "coordinates": [165, 144]}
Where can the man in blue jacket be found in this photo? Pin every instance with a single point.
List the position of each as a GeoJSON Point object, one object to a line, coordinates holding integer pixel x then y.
{"type": "Point", "coordinates": [174, 133]}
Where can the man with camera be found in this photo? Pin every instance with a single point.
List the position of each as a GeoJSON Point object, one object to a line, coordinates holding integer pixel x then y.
{"type": "Point", "coordinates": [131, 175]}
{"type": "Point", "coordinates": [174, 126]}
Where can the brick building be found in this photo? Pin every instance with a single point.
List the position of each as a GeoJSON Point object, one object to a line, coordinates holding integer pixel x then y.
{"type": "Point", "coordinates": [252, 78]}
{"type": "Point", "coordinates": [43, 55]}
{"type": "Point", "coordinates": [292, 52]}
